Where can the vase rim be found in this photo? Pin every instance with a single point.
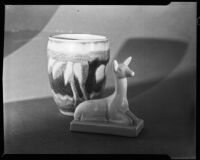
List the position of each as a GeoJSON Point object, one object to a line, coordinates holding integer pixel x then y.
{"type": "Point", "coordinates": [77, 37]}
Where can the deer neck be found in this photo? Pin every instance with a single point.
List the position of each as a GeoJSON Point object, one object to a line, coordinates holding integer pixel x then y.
{"type": "Point", "coordinates": [120, 88]}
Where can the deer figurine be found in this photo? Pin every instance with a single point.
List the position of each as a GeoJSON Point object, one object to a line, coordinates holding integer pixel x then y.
{"type": "Point", "coordinates": [114, 108]}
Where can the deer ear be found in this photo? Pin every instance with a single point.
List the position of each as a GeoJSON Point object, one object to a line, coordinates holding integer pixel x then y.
{"type": "Point", "coordinates": [115, 64]}
{"type": "Point", "coordinates": [128, 60]}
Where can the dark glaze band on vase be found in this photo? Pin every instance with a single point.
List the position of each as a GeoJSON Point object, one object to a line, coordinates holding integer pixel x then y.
{"type": "Point", "coordinates": [76, 68]}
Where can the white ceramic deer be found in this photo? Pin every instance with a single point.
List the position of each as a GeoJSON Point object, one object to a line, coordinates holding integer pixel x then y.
{"type": "Point", "coordinates": [114, 108]}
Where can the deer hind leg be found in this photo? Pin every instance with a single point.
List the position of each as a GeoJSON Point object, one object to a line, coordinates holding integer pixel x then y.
{"type": "Point", "coordinates": [94, 118]}
{"type": "Point", "coordinates": [92, 110]}
{"type": "Point", "coordinates": [120, 119]}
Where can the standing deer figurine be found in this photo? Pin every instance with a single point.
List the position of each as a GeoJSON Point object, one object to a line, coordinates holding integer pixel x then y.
{"type": "Point", "coordinates": [112, 111]}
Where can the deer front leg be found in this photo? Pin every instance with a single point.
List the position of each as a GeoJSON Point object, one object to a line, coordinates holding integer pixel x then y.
{"type": "Point", "coordinates": [132, 116]}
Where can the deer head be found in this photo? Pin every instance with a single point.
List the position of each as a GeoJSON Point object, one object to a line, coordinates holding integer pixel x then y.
{"type": "Point", "coordinates": [122, 70]}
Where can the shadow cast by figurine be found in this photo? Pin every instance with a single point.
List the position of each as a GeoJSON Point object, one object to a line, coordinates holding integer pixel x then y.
{"type": "Point", "coordinates": [134, 89]}
{"type": "Point", "coordinates": [153, 60]}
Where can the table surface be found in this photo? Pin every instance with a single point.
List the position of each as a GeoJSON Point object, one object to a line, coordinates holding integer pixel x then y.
{"type": "Point", "coordinates": [168, 111]}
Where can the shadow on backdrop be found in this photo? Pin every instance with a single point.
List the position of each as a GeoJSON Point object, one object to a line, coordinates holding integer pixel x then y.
{"type": "Point", "coordinates": [17, 38]}
{"type": "Point", "coordinates": [153, 59]}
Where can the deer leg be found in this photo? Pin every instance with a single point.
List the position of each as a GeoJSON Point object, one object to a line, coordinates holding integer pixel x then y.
{"type": "Point", "coordinates": [132, 116]}
{"type": "Point", "coordinates": [121, 120]}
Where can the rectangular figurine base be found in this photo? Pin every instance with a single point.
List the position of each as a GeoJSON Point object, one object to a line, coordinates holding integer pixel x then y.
{"type": "Point", "coordinates": [107, 128]}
